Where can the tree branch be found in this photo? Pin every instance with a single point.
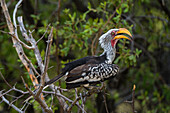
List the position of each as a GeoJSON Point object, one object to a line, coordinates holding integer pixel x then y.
{"type": "Point", "coordinates": [43, 34]}
{"type": "Point", "coordinates": [5, 80]}
{"type": "Point", "coordinates": [38, 99]}
{"type": "Point", "coordinates": [46, 62]}
{"type": "Point", "coordinates": [12, 105]}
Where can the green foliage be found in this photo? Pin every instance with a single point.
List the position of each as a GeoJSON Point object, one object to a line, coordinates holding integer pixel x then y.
{"type": "Point", "coordinates": [127, 57]}
{"type": "Point", "coordinates": [36, 106]}
{"type": "Point", "coordinates": [35, 18]}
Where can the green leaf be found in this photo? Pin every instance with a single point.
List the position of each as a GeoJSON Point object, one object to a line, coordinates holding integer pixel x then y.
{"type": "Point", "coordinates": [131, 57]}
{"type": "Point", "coordinates": [89, 6]}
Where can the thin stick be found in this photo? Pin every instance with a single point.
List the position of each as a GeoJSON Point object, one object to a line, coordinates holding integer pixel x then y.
{"type": "Point", "coordinates": [14, 15]}
{"type": "Point", "coordinates": [51, 101]}
{"type": "Point", "coordinates": [27, 87]}
{"type": "Point", "coordinates": [105, 103]}
{"type": "Point", "coordinates": [46, 62]}
{"type": "Point", "coordinates": [43, 34]}
{"type": "Point", "coordinates": [6, 92]}
{"type": "Point", "coordinates": [82, 102]}
{"type": "Point", "coordinates": [12, 105]}
{"type": "Point", "coordinates": [5, 80]}
{"type": "Point", "coordinates": [16, 99]}
{"type": "Point", "coordinates": [133, 98]}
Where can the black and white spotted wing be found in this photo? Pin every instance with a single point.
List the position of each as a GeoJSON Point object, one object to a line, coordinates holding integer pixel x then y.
{"type": "Point", "coordinates": [90, 73]}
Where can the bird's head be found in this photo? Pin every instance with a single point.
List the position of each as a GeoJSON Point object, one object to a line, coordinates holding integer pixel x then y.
{"type": "Point", "coordinates": [113, 35]}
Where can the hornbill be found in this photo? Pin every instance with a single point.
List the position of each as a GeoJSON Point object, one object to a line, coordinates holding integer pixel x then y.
{"type": "Point", "coordinates": [94, 69]}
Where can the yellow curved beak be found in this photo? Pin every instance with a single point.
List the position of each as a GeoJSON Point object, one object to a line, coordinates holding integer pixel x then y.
{"type": "Point", "coordinates": [123, 33]}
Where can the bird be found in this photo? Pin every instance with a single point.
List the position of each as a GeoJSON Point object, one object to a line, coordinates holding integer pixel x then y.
{"type": "Point", "coordinates": [94, 69]}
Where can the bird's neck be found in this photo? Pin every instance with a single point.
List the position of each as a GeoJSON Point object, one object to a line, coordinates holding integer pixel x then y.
{"type": "Point", "coordinates": [110, 53]}
{"type": "Point", "coordinates": [109, 46]}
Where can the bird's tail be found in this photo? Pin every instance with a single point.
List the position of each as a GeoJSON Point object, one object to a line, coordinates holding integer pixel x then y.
{"type": "Point", "coordinates": [54, 79]}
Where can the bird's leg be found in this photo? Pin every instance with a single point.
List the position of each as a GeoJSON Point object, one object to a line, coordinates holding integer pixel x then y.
{"type": "Point", "coordinates": [99, 88]}
{"type": "Point", "coordinates": [102, 86]}
{"type": "Point", "coordinates": [90, 90]}
{"type": "Point", "coordinates": [86, 88]}
{"type": "Point", "coordinates": [94, 89]}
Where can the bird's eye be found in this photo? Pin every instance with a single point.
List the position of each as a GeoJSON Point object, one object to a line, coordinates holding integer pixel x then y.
{"type": "Point", "coordinates": [113, 33]}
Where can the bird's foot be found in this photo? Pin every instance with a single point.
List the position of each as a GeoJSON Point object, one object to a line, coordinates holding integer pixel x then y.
{"type": "Point", "coordinates": [94, 89]}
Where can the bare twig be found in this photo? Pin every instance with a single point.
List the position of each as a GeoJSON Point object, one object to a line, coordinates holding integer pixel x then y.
{"type": "Point", "coordinates": [16, 99]}
{"type": "Point", "coordinates": [82, 102]}
{"type": "Point", "coordinates": [38, 99]}
{"type": "Point", "coordinates": [14, 89]}
{"type": "Point", "coordinates": [11, 96]}
{"type": "Point", "coordinates": [6, 33]}
{"type": "Point", "coordinates": [76, 92]}
{"type": "Point", "coordinates": [148, 54]}
{"type": "Point", "coordinates": [58, 10]}
{"type": "Point", "coordinates": [46, 62]}
{"type": "Point", "coordinates": [27, 87]}
{"type": "Point", "coordinates": [26, 46]}
{"type": "Point", "coordinates": [73, 103]}
{"type": "Point", "coordinates": [132, 102]}
{"type": "Point", "coordinates": [26, 58]}
{"type": "Point", "coordinates": [14, 16]}
{"type": "Point", "coordinates": [87, 94]}
{"type": "Point", "coordinates": [47, 55]}
{"type": "Point", "coordinates": [152, 17]}
{"type": "Point", "coordinates": [26, 106]}
{"type": "Point", "coordinates": [15, 26]}
{"type": "Point", "coordinates": [12, 105]}
{"type": "Point", "coordinates": [43, 34]}
{"type": "Point", "coordinates": [22, 29]}
{"type": "Point", "coordinates": [105, 103]}
{"type": "Point", "coordinates": [58, 94]}
{"type": "Point", "coordinates": [5, 80]}
{"type": "Point", "coordinates": [133, 98]}
{"type": "Point", "coordinates": [6, 92]}
{"type": "Point", "coordinates": [36, 7]}
{"type": "Point", "coordinates": [51, 101]}
{"type": "Point", "coordinates": [20, 91]}
{"type": "Point", "coordinates": [7, 16]}
{"type": "Point", "coordinates": [65, 98]}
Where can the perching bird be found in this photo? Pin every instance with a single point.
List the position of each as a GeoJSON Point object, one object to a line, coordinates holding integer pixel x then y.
{"type": "Point", "coordinates": [94, 69]}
